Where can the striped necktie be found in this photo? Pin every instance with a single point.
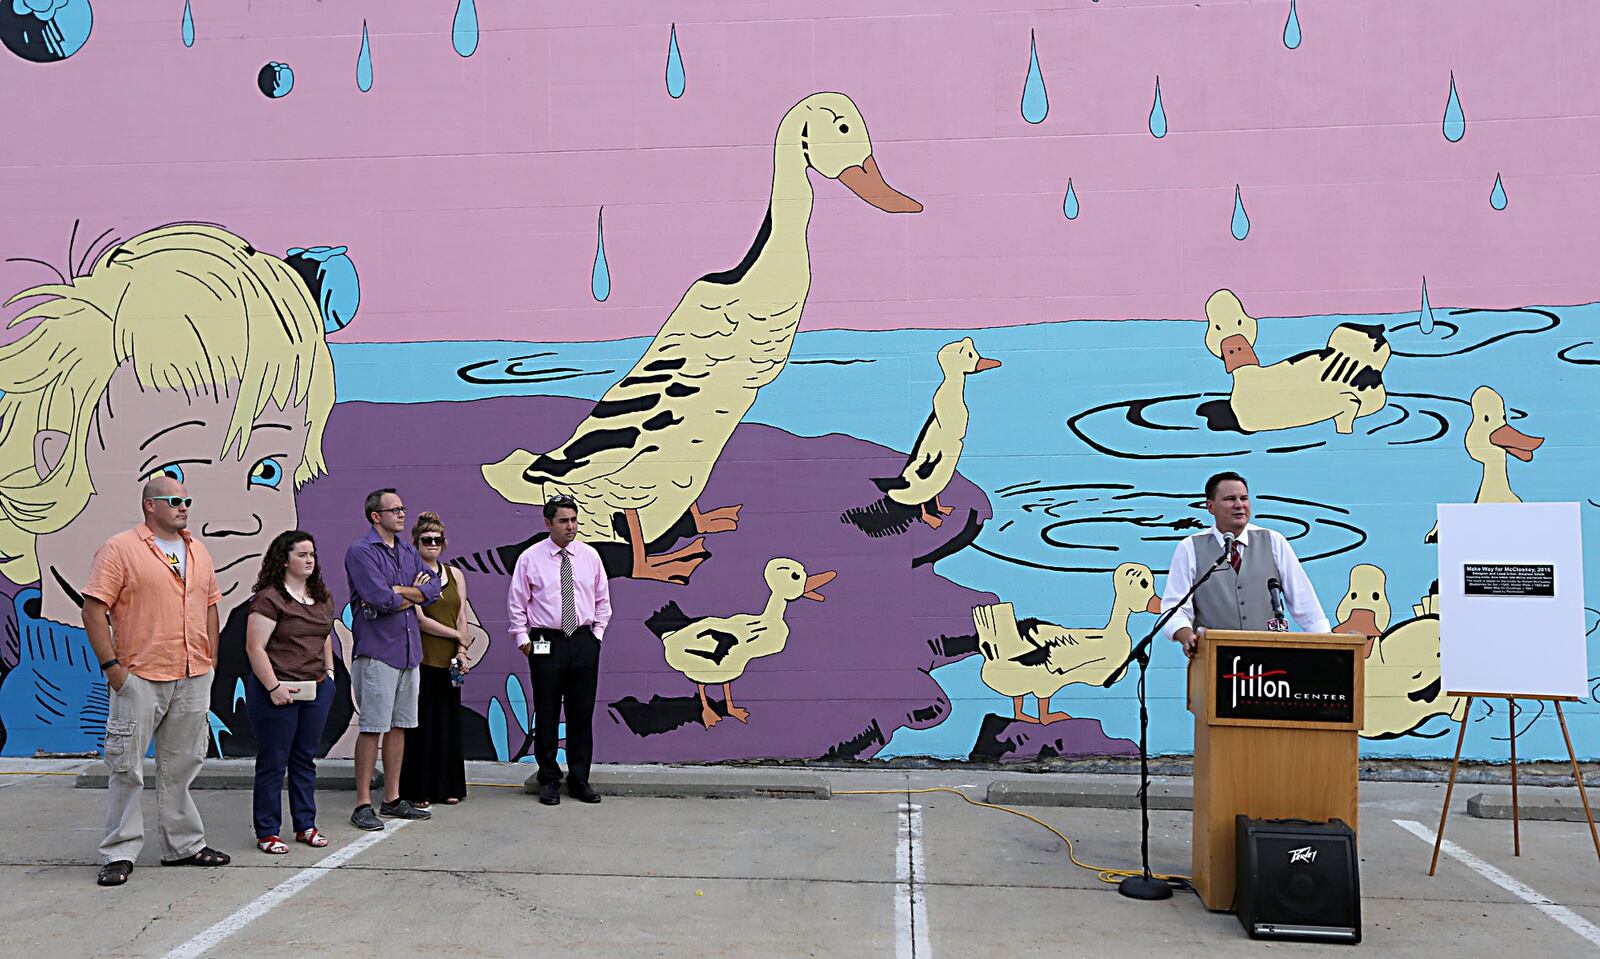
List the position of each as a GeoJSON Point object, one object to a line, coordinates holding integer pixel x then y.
{"type": "Point", "coordinates": [1236, 557]}
{"type": "Point", "coordinates": [569, 600]}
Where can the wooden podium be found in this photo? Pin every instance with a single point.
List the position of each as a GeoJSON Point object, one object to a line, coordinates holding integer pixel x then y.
{"type": "Point", "coordinates": [1276, 720]}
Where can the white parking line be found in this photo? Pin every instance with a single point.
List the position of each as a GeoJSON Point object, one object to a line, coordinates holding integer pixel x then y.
{"type": "Point", "coordinates": [1526, 893]}
{"type": "Point", "coordinates": [249, 913]}
{"type": "Point", "coordinates": [910, 909]}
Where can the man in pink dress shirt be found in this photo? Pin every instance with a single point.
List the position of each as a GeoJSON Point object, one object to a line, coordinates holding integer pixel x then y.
{"type": "Point", "coordinates": [559, 605]}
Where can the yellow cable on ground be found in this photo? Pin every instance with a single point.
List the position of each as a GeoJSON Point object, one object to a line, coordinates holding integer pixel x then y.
{"type": "Point", "coordinates": [18, 772]}
{"type": "Point", "coordinates": [1106, 875]}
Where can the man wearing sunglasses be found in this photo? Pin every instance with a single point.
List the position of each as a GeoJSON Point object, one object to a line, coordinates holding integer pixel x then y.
{"type": "Point", "coordinates": [150, 609]}
{"type": "Point", "coordinates": [388, 581]}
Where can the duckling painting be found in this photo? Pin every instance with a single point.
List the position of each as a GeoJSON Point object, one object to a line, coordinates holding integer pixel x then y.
{"type": "Point", "coordinates": [639, 462]}
{"type": "Point", "coordinates": [1041, 658]}
{"type": "Point", "coordinates": [716, 649]}
{"type": "Point", "coordinates": [1489, 440]}
{"type": "Point", "coordinates": [914, 494]}
{"type": "Point", "coordinates": [1403, 686]}
{"type": "Point", "coordinates": [1343, 381]}
{"type": "Point", "coordinates": [1364, 608]}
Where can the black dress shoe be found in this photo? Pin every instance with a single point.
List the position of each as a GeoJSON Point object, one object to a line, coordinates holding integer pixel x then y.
{"type": "Point", "coordinates": [550, 794]}
{"type": "Point", "coordinates": [582, 792]}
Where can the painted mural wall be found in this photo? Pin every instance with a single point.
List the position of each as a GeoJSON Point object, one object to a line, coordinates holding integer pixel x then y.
{"type": "Point", "coordinates": [940, 315]}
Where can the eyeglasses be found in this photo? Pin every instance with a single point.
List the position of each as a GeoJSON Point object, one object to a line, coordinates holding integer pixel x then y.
{"type": "Point", "coordinates": [397, 510]}
{"type": "Point", "coordinates": [174, 501]}
{"type": "Point", "coordinates": [431, 540]}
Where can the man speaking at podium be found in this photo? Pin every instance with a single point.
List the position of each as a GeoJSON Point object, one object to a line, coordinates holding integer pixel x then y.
{"type": "Point", "coordinates": [1257, 574]}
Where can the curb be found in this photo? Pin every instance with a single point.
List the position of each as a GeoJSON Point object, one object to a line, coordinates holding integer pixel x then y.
{"type": "Point", "coordinates": [1545, 809]}
{"type": "Point", "coordinates": [676, 783]}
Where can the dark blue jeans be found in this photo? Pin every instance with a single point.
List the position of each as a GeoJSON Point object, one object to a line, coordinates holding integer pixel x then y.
{"type": "Point", "coordinates": [287, 739]}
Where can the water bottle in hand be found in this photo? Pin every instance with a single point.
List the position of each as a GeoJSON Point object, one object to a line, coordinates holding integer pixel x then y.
{"type": "Point", "coordinates": [456, 676]}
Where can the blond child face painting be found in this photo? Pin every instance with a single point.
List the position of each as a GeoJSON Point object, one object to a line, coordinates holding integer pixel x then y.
{"type": "Point", "coordinates": [183, 351]}
{"type": "Point", "coordinates": [240, 502]}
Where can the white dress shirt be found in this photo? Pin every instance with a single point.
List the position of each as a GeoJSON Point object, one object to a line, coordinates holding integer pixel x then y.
{"type": "Point", "coordinates": [1304, 607]}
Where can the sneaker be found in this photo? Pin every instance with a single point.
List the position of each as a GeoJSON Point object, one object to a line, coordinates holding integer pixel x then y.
{"type": "Point", "coordinates": [365, 818]}
{"type": "Point", "coordinates": [402, 809]}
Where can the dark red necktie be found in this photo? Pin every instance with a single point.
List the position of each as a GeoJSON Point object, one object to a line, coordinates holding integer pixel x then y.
{"type": "Point", "coordinates": [1234, 558]}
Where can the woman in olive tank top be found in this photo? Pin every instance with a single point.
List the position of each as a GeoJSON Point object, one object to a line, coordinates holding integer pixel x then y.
{"type": "Point", "coordinates": [435, 769]}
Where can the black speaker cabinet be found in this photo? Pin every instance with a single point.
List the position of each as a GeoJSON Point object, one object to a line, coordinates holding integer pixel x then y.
{"type": "Point", "coordinates": [1298, 880]}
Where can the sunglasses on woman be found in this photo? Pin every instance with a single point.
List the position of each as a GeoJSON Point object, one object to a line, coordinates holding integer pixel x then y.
{"type": "Point", "coordinates": [431, 540]}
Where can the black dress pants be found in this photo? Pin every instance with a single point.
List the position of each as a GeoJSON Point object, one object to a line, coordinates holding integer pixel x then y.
{"type": "Point", "coordinates": [564, 680]}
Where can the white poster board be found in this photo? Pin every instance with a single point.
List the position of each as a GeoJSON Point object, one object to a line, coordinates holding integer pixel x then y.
{"type": "Point", "coordinates": [1511, 616]}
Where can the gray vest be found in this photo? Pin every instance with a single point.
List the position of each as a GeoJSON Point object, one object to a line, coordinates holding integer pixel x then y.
{"type": "Point", "coordinates": [1230, 600]}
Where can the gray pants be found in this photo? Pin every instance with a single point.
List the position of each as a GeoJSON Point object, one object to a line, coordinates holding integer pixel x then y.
{"type": "Point", "coordinates": [174, 714]}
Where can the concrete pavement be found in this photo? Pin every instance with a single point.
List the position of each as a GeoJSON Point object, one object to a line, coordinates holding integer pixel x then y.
{"type": "Point", "coordinates": [904, 874]}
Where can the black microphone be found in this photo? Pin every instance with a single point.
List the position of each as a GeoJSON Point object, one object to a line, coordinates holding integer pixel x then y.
{"type": "Point", "coordinates": [1279, 624]}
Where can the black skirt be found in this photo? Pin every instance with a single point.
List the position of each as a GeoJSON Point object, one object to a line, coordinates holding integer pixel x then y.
{"type": "Point", "coordinates": [434, 768]}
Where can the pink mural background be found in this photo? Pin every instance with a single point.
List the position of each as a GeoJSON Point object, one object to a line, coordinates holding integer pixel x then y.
{"type": "Point", "coordinates": [468, 189]}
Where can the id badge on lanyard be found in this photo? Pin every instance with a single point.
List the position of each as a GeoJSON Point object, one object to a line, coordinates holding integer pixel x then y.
{"type": "Point", "coordinates": [541, 647]}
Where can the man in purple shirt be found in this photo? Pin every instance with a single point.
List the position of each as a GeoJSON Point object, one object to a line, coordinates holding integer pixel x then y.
{"type": "Point", "coordinates": [387, 582]}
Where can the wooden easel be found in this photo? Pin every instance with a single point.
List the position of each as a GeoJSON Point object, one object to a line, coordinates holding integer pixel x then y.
{"type": "Point", "coordinates": [1516, 831]}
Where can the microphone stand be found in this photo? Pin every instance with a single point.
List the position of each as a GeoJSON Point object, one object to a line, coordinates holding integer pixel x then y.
{"type": "Point", "coordinates": [1147, 886]}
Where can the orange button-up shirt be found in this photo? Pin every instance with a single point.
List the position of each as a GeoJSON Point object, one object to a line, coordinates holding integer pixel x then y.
{"type": "Point", "coordinates": [159, 623]}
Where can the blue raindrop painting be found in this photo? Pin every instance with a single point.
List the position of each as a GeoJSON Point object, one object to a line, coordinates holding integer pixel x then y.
{"type": "Point", "coordinates": [1497, 196]}
{"type": "Point", "coordinates": [1425, 312]}
{"type": "Point", "coordinates": [1455, 122]}
{"type": "Point", "coordinates": [675, 77]}
{"type": "Point", "coordinates": [464, 31]}
{"type": "Point", "coordinates": [1069, 206]}
{"type": "Point", "coordinates": [364, 62]}
{"type": "Point", "coordinates": [600, 276]}
{"type": "Point", "coordinates": [1035, 102]}
{"type": "Point", "coordinates": [1158, 115]}
{"type": "Point", "coordinates": [188, 25]}
{"type": "Point", "coordinates": [1291, 29]}
{"type": "Point", "coordinates": [1240, 226]}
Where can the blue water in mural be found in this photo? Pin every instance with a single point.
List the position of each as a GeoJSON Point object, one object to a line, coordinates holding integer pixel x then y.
{"type": "Point", "coordinates": [1455, 122]}
{"type": "Point", "coordinates": [1069, 205]}
{"type": "Point", "coordinates": [1291, 28]}
{"type": "Point", "coordinates": [1035, 101]}
{"type": "Point", "coordinates": [1111, 410]}
{"type": "Point", "coordinates": [675, 75]}
{"type": "Point", "coordinates": [1158, 114]}
{"type": "Point", "coordinates": [188, 25]}
{"type": "Point", "coordinates": [364, 62]}
{"type": "Point", "coordinates": [1497, 196]}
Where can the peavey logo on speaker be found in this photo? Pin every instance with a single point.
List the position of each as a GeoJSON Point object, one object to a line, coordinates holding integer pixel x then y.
{"type": "Point", "coordinates": [1303, 854]}
{"type": "Point", "coordinates": [1262, 682]}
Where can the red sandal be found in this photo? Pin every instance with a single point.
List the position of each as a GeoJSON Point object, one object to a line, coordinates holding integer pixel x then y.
{"type": "Point", "coordinates": [272, 845]}
{"type": "Point", "coordinates": [311, 837]}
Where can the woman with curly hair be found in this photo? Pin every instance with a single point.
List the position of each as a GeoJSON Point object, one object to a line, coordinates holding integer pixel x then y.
{"type": "Point", "coordinates": [435, 769]}
{"type": "Point", "coordinates": [289, 639]}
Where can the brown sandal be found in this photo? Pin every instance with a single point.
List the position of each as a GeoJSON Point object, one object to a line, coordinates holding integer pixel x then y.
{"type": "Point", "coordinates": [205, 857]}
{"type": "Point", "coordinates": [114, 873]}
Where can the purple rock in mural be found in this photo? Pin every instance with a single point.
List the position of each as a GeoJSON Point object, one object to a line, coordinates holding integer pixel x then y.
{"type": "Point", "coordinates": [855, 667]}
